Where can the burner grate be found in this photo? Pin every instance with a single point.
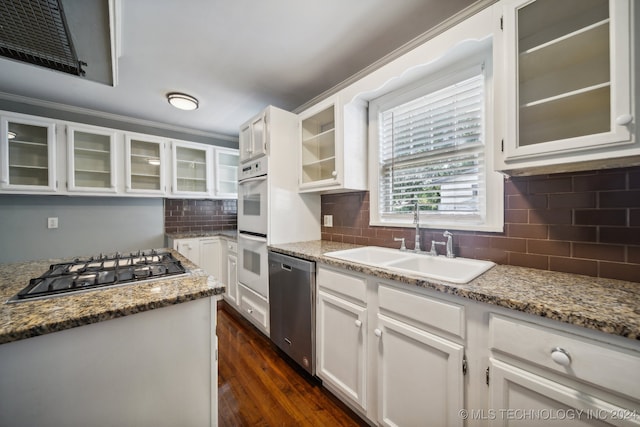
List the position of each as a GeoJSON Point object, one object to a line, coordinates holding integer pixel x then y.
{"type": "Point", "coordinates": [36, 31]}
{"type": "Point", "coordinates": [100, 272]}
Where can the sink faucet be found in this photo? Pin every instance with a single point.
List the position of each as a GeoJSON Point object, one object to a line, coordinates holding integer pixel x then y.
{"type": "Point", "coordinates": [449, 237]}
{"type": "Point", "coordinates": [448, 243]}
{"type": "Point", "coordinates": [416, 220]}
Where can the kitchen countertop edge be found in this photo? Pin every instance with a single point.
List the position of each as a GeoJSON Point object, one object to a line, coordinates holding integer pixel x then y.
{"type": "Point", "coordinates": [605, 305]}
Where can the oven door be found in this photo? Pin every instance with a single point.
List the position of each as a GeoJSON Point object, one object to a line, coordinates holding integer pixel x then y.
{"type": "Point", "coordinates": [252, 205]}
{"type": "Point", "coordinates": [253, 263]}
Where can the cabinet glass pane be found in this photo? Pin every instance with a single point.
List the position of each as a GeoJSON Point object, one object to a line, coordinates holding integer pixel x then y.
{"type": "Point", "coordinates": [28, 155]}
{"type": "Point", "coordinates": [191, 173]}
{"type": "Point", "coordinates": [145, 165]}
{"type": "Point", "coordinates": [227, 173]}
{"type": "Point", "coordinates": [564, 81]}
{"type": "Point", "coordinates": [318, 146]}
{"type": "Point", "coordinates": [92, 159]}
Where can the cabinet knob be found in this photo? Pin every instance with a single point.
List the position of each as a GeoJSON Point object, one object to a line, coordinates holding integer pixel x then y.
{"type": "Point", "coordinates": [249, 310]}
{"type": "Point", "coordinates": [377, 332]}
{"type": "Point", "coordinates": [334, 174]}
{"type": "Point", "coordinates": [358, 323]}
{"type": "Point", "coordinates": [561, 356]}
{"type": "Point", "coordinates": [624, 119]}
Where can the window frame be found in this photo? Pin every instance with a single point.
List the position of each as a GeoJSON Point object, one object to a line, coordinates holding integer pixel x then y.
{"type": "Point", "coordinates": [492, 215]}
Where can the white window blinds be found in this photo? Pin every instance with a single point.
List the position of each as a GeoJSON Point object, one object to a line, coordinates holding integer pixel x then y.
{"type": "Point", "coordinates": [431, 150]}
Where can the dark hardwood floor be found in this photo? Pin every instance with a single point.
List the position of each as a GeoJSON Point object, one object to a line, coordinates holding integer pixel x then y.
{"type": "Point", "coordinates": [256, 387]}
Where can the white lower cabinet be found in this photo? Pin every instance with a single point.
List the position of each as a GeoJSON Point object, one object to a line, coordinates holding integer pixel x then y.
{"type": "Point", "coordinates": [231, 296]}
{"type": "Point", "coordinates": [542, 374]}
{"type": "Point", "coordinates": [401, 355]}
{"type": "Point", "coordinates": [208, 253]}
{"type": "Point", "coordinates": [419, 376]}
{"type": "Point", "coordinates": [189, 248]}
{"type": "Point", "coordinates": [254, 307]}
{"type": "Point", "coordinates": [341, 343]}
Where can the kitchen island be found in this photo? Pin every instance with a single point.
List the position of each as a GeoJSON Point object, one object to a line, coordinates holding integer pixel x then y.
{"type": "Point", "coordinates": [139, 354]}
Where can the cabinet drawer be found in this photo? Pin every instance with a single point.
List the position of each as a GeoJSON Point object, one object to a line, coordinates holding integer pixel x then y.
{"type": "Point", "coordinates": [600, 364]}
{"type": "Point", "coordinates": [424, 310]}
{"type": "Point", "coordinates": [347, 285]}
{"type": "Point", "coordinates": [254, 307]}
{"type": "Point", "coordinates": [232, 247]}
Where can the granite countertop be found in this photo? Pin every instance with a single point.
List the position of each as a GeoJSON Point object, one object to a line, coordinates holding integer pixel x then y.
{"type": "Point", "coordinates": [232, 234]}
{"type": "Point", "coordinates": [38, 317]}
{"type": "Point", "coordinates": [607, 305]}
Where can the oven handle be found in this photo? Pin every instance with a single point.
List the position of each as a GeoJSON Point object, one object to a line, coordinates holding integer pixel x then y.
{"type": "Point", "coordinates": [254, 238]}
{"type": "Point", "coordinates": [257, 178]}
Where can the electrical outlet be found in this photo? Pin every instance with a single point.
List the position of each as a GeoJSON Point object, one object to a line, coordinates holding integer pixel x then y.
{"type": "Point", "coordinates": [328, 221]}
{"type": "Point", "coordinates": [52, 222]}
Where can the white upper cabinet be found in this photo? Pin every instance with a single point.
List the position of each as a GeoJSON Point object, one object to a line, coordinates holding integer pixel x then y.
{"type": "Point", "coordinates": [28, 153]}
{"type": "Point", "coordinates": [226, 173]}
{"type": "Point", "coordinates": [254, 138]}
{"type": "Point", "coordinates": [145, 164]}
{"type": "Point", "coordinates": [333, 152]}
{"type": "Point", "coordinates": [91, 160]}
{"type": "Point", "coordinates": [569, 88]}
{"type": "Point", "coordinates": [192, 169]}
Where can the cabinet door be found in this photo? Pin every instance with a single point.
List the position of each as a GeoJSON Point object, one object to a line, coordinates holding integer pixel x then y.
{"type": "Point", "coordinates": [518, 397]}
{"type": "Point", "coordinates": [91, 164]}
{"type": "Point", "coordinates": [318, 167]}
{"type": "Point", "coordinates": [232, 280]}
{"type": "Point", "coordinates": [253, 138]}
{"type": "Point", "coordinates": [191, 169]}
{"type": "Point", "coordinates": [189, 248]}
{"type": "Point", "coordinates": [341, 335]}
{"type": "Point", "coordinates": [568, 76]}
{"type": "Point", "coordinates": [210, 252]}
{"type": "Point", "coordinates": [27, 150]}
{"type": "Point", "coordinates": [432, 389]}
{"type": "Point", "coordinates": [145, 165]}
{"type": "Point", "coordinates": [226, 173]}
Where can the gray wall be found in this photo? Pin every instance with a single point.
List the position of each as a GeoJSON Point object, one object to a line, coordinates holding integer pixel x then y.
{"type": "Point", "coordinates": [87, 226]}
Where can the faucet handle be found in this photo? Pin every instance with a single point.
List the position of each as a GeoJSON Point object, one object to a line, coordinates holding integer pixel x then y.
{"type": "Point", "coordinates": [400, 239]}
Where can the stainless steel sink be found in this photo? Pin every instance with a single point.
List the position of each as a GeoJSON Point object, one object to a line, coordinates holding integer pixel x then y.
{"type": "Point", "coordinates": [456, 270]}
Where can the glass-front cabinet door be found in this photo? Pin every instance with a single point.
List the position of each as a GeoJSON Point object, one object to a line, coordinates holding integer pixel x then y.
{"type": "Point", "coordinates": [91, 159]}
{"type": "Point", "coordinates": [27, 150]}
{"type": "Point", "coordinates": [191, 169]}
{"type": "Point", "coordinates": [226, 173]}
{"type": "Point", "coordinates": [568, 75]}
{"type": "Point", "coordinates": [145, 165]}
{"type": "Point", "coordinates": [318, 150]}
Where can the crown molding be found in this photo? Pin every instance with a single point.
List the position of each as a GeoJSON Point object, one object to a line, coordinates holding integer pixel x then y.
{"type": "Point", "coordinates": [111, 116]}
{"type": "Point", "coordinates": [407, 47]}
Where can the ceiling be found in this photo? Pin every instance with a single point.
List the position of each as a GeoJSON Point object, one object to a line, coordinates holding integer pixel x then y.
{"type": "Point", "coordinates": [235, 56]}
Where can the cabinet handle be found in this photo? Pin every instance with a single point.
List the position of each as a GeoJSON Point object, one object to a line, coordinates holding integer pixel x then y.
{"type": "Point", "coordinates": [377, 332]}
{"type": "Point", "coordinates": [358, 323]}
{"type": "Point", "coordinates": [560, 356]}
{"type": "Point", "coordinates": [624, 119]}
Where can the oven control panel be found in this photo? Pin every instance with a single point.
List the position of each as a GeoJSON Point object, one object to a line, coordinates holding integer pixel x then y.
{"type": "Point", "coordinates": [254, 168]}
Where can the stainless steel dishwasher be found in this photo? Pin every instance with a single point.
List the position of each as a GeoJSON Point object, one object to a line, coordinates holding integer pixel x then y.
{"type": "Point", "coordinates": [292, 307]}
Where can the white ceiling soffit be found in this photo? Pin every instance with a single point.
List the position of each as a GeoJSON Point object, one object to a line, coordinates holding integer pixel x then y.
{"type": "Point", "coordinates": [234, 56]}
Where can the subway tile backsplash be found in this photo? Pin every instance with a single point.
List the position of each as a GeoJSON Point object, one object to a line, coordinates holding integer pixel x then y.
{"type": "Point", "coordinates": [185, 215]}
{"type": "Point", "coordinates": [583, 222]}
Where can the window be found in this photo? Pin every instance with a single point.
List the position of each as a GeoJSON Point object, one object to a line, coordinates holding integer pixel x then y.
{"type": "Point", "coordinates": [429, 146]}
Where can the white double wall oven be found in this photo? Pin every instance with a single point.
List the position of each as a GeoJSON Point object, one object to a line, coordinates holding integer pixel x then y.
{"type": "Point", "coordinates": [253, 193]}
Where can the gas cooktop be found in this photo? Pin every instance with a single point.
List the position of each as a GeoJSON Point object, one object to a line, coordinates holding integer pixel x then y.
{"type": "Point", "coordinates": [100, 272]}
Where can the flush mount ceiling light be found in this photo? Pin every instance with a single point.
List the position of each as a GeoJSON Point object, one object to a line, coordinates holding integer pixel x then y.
{"type": "Point", "coordinates": [182, 101]}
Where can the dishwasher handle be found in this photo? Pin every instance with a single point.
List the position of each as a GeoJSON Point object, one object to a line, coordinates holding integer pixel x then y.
{"type": "Point", "coordinates": [285, 267]}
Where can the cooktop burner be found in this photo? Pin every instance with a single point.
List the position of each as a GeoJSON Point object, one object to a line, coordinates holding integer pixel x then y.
{"type": "Point", "coordinates": [101, 271]}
